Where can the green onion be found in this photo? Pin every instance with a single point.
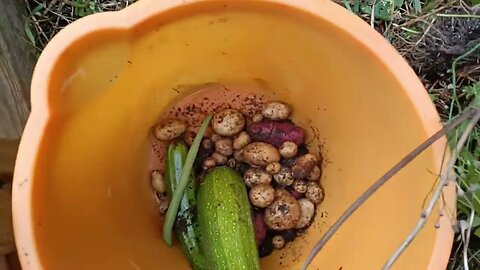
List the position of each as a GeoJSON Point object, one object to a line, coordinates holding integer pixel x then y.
{"type": "Point", "coordinates": [182, 184]}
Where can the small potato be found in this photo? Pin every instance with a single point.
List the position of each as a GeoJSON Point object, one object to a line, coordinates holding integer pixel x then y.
{"type": "Point", "coordinates": [219, 158]}
{"type": "Point", "coordinates": [238, 155]}
{"type": "Point", "coordinates": [262, 195]}
{"type": "Point", "coordinates": [257, 118]}
{"type": "Point", "coordinates": [228, 122]}
{"type": "Point", "coordinates": [304, 166]}
{"type": "Point", "coordinates": [273, 168]}
{"type": "Point", "coordinates": [308, 210]}
{"type": "Point", "coordinates": [283, 213]}
{"type": "Point", "coordinates": [241, 140]}
{"type": "Point", "coordinates": [278, 242]}
{"type": "Point", "coordinates": [189, 135]}
{"type": "Point", "coordinates": [163, 204]}
{"type": "Point", "coordinates": [288, 149]}
{"type": "Point", "coordinates": [277, 111]}
{"type": "Point", "coordinates": [297, 195]}
{"type": "Point", "coordinates": [281, 192]}
{"type": "Point", "coordinates": [315, 174]}
{"type": "Point", "coordinates": [260, 227]}
{"type": "Point", "coordinates": [300, 186]}
{"type": "Point", "coordinates": [284, 177]}
{"type": "Point", "coordinates": [260, 154]}
{"type": "Point", "coordinates": [215, 137]}
{"type": "Point", "coordinates": [158, 183]}
{"type": "Point", "coordinates": [253, 177]}
{"type": "Point", "coordinates": [224, 146]}
{"type": "Point", "coordinates": [170, 129]}
{"type": "Point", "coordinates": [206, 143]}
{"type": "Point", "coordinates": [315, 192]}
{"type": "Point", "coordinates": [209, 163]}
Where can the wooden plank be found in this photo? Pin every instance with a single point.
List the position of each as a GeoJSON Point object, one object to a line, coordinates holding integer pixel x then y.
{"type": "Point", "coordinates": [8, 152]}
{"type": "Point", "coordinates": [16, 66]}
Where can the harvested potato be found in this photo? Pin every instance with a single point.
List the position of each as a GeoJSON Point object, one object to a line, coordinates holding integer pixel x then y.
{"type": "Point", "coordinates": [315, 174]}
{"type": "Point", "coordinates": [209, 163]}
{"type": "Point", "coordinates": [257, 118]}
{"type": "Point", "coordinates": [300, 186]}
{"type": "Point", "coordinates": [224, 146]}
{"type": "Point", "coordinates": [158, 182]}
{"type": "Point", "coordinates": [215, 137]}
{"type": "Point", "coordinates": [241, 140]}
{"type": "Point", "coordinates": [170, 129]}
{"type": "Point", "coordinates": [304, 166]}
{"type": "Point", "coordinates": [278, 242]}
{"type": "Point", "coordinates": [189, 135]}
{"type": "Point", "coordinates": [284, 177]}
{"type": "Point", "coordinates": [262, 195]}
{"type": "Point", "coordinates": [273, 168]}
{"type": "Point", "coordinates": [283, 213]}
{"type": "Point", "coordinates": [253, 177]}
{"type": "Point", "coordinates": [238, 155]}
{"type": "Point", "coordinates": [308, 211]}
{"type": "Point", "coordinates": [277, 111]}
{"type": "Point", "coordinates": [315, 192]}
{"type": "Point", "coordinates": [228, 122]}
{"type": "Point", "coordinates": [260, 154]}
{"type": "Point", "coordinates": [281, 192]}
{"type": "Point", "coordinates": [163, 204]}
{"type": "Point", "coordinates": [219, 159]}
{"type": "Point", "coordinates": [260, 228]}
{"type": "Point", "coordinates": [276, 133]}
{"type": "Point", "coordinates": [206, 143]}
{"type": "Point", "coordinates": [297, 195]}
{"type": "Point", "coordinates": [288, 149]}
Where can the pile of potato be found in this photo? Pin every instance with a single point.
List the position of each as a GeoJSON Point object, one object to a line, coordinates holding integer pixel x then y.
{"type": "Point", "coordinates": [282, 177]}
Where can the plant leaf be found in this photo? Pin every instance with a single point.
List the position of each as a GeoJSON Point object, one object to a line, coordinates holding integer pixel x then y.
{"type": "Point", "coordinates": [477, 232]}
{"type": "Point", "coordinates": [476, 221]}
{"type": "Point", "coordinates": [29, 33]}
{"type": "Point", "coordinates": [417, 5]}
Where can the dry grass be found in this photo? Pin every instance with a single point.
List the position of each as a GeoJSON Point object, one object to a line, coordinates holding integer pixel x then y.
{"type": "Point", "coordinates": [45, 18]}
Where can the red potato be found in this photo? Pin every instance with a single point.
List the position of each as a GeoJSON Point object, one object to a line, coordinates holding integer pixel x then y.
{"type": "Point", "coordinates": [260, 228]}
{"type": "Point", "coordinates": [276, 133]}
{"type": "Point", "coordinates": [297, 195]}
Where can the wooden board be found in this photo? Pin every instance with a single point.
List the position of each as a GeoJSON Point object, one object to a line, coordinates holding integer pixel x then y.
{"type": "Point", "coordinates": [17, 60]}
{"type": "Point", "coordinates": [8, 152]}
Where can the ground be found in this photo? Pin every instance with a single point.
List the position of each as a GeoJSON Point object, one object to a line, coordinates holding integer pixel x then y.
{"type": "Point", "coordinates": [441, 41]}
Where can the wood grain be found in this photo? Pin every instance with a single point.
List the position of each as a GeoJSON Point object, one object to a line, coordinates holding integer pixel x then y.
{"type": "Point", "coordinates": [8, 152]}
{"type": "Point", "coordinates": [17, 60]}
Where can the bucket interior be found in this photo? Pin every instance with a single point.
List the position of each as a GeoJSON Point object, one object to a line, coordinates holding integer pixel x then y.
{"type": "Point", "coordinates": [93, 207]}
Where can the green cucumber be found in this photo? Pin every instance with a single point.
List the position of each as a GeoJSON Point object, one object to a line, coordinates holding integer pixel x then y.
{"type": "Point", "coordinates": [186, 224]}
{"type": "Point", "coordinates": [225, 218]}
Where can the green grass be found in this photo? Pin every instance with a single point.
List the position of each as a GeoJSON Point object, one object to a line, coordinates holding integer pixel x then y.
{"type": "Point", "coordinates": [405, 24]}
{"type": "Point", "coordinates": [45, 18]}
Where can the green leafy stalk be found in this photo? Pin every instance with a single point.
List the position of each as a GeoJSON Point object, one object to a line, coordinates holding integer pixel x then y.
{"type": "Point", "coordinates": [178, 193]}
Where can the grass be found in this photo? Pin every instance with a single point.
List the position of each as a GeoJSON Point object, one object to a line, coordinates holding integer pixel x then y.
{"type": "Point", "coordinates": [440, 39]}
{"type": "Point", "coordinates": [411, 26]}
{"type": "Point", "coordinates": [45, 18]}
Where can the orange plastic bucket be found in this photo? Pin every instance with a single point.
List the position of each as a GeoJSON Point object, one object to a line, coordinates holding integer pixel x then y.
{"type": "Point", "coordinates": [82, 199]}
